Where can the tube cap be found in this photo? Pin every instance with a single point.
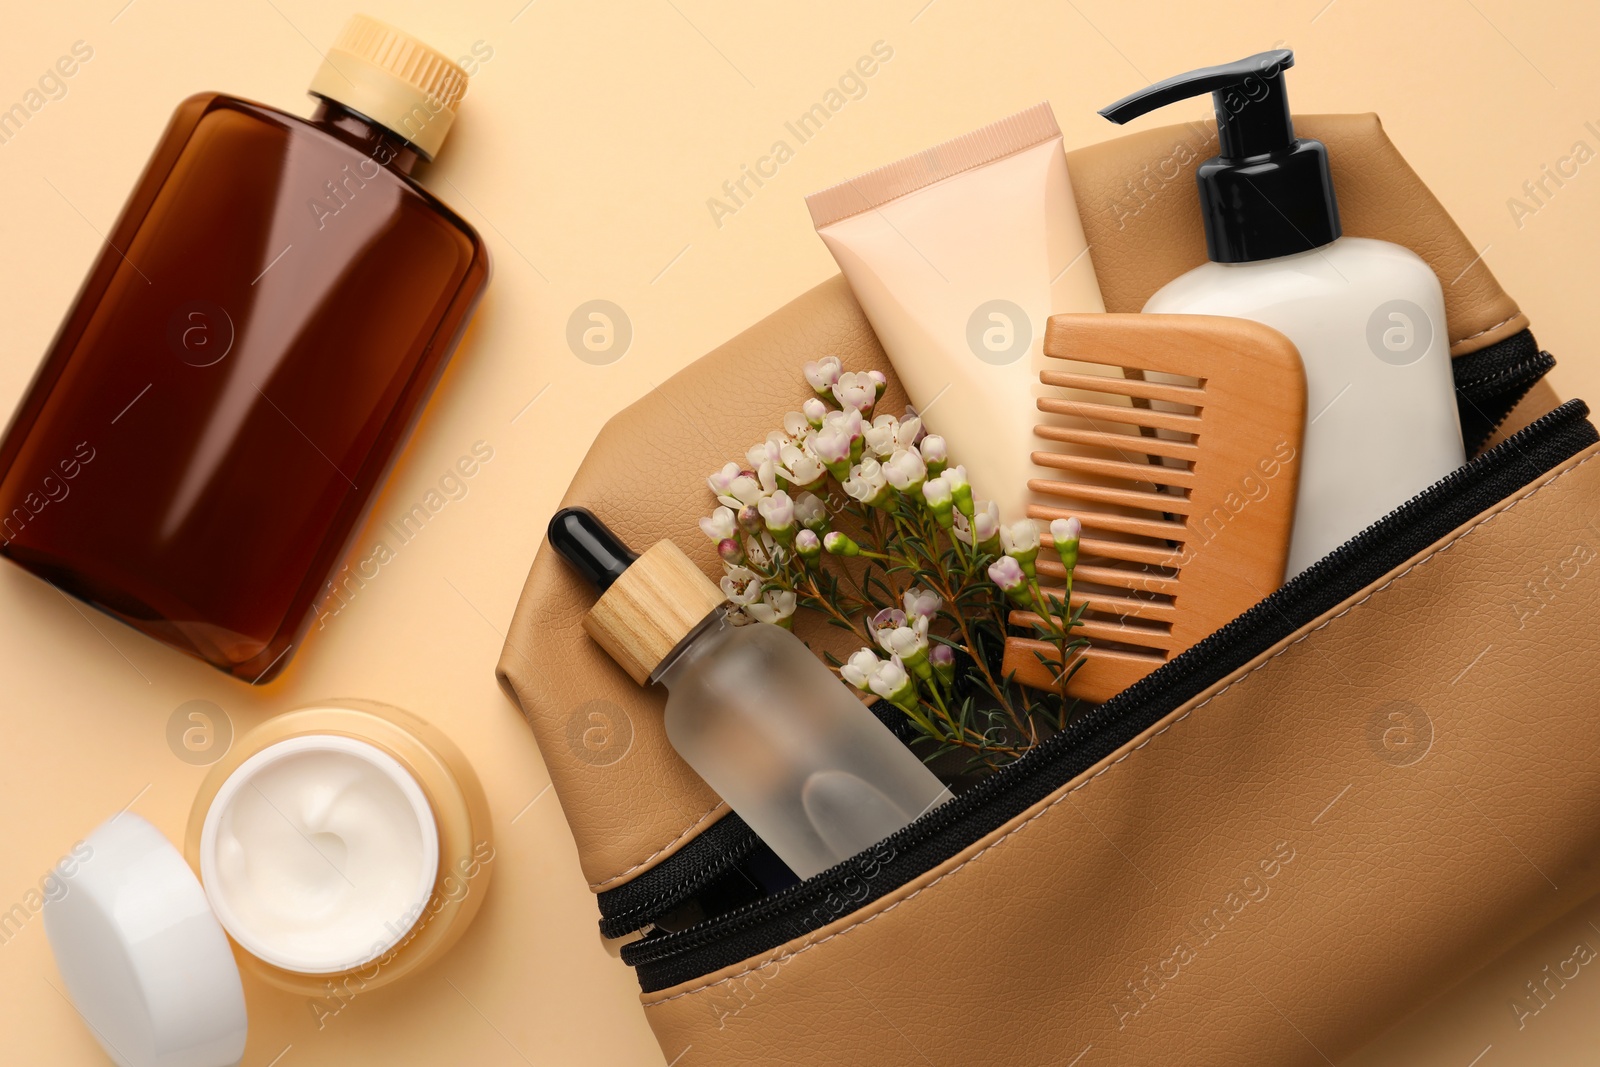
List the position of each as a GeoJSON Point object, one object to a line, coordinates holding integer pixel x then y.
{"type": "Point", "coordinates": [1266, 193]}
{"type": "Point", "coordinates": [393, 79]}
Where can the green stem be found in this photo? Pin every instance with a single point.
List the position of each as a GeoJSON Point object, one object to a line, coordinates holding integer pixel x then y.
{"type": "Point", "coordinates": [833, 610]}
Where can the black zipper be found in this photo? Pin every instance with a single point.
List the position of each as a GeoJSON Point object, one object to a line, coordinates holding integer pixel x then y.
{"type": "Point", "coordinates": [636, 904]}
{"type": "Point", "coordinates": [1493, 380]}
{"type": "Point", "coordinates": [667, 959]}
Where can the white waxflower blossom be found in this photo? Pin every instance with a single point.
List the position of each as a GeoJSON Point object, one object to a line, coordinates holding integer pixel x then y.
{"type": "Point", "coordinates": [906, 641]}
{"type": "Point", "coordinates": [887, 434]}
{"type": "Point", "coordinates": [1020, 537]}
{"type": "Point", "coordinates": [722, 480]}
{"type": "Point", "coordinates": [922, 603]}
{"type": "Point", "coordinates": [956, 477]}
{"type": "Point", "coordinates": [936, 491]}
{"type": "Point", "coordinates": [1021, 541]}
{"type": "Point", "coordinates": [880, 435]}
{"type": "Point", "coordinates": [746, 489]}
{"type": "Point", "coordinates": [867, 482]}
{"type": "Point", "coordinates": [985, 519]}
{"type": "Point", "coordinates": [822, 373]}
{"type": "Point", "coordinates": [834, 443]}
{"type": "Point", "coordinates": [1065, 529]}
{"type": "Point", "coordinates": [831, 445]}
{"type": "Point", "coordinates": [1007, 573]}
{"type": "Point", "coordinates": [847, 419]}
{"type": "Point", "coordinates": [719, 525]}
{"type": "Point", "coordinates": [905, 470]}
{"type": "Point", "coordinates": [811, 511]}
{"type": "Point", "coordinates": [1065, 535]}
{"type": "Point", "coordinates": [742, 586]}
{"type": "Point", "coordinates": [777, 511]}
{"type": "Point", "coordinates": [808, 544]}
{"type": "Point", "coordinates": [766, 451]}
{"type": "Point", "coordinates": [891, 682]}
{"type": "Point", "coordinates": [800, 466]}
{"type": "Point", "coordinates": [814, 410]}
{"type": "Point", "coordinates": [860, 668]}
{"type": "Point", "coordinates": [885, 621]}
{"type": "Point", "coordinates": [775, 606]}
{"type": "Point", "coordinates": [855, 391]}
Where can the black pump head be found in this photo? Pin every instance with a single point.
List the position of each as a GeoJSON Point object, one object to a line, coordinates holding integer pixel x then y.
{"type": "Point", "coordinates": [1266, 193]}
{"type": "Point", "coordinates": [590, 546]}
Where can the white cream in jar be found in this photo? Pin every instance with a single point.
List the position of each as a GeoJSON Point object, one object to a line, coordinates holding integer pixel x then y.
{"type": "Point", "coordinates": [319, 853]}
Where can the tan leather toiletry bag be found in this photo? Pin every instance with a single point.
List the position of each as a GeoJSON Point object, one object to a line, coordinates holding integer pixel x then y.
{"type": "Point", "coordinates": [1264, 853]}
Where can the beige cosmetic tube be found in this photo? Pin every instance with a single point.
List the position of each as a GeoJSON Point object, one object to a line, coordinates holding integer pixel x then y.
{"type": "Point", "coordinates": [959, 255]}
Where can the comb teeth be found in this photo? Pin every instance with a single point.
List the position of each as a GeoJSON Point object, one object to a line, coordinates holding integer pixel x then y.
{"type": "Point", "coordinates": [1126, 469]}
{"type": "Point", "coordinates": [1118, 484]}
{"type": "Point", "coordinates": [1138, 388]}
{"type": "Point", "coordinates": [1143, 417]}
{"type": "Point", "coordinates": [1118, 442]}
{"type": "Point", "coordinates": [1152, 451]}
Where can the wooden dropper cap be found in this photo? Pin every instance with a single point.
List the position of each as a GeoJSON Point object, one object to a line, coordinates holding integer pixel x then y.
{"type": "Point", "coordinates": [648, 604]}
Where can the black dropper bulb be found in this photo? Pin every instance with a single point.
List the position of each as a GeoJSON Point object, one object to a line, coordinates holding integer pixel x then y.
{"type": "Point", "coordinates": [1267, 193]}
{"type": "Point", "coordinates": [590, 546]}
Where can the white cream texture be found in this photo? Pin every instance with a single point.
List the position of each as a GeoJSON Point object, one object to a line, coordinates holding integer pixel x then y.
{"type": "Point", "coordinates": [319, 853]}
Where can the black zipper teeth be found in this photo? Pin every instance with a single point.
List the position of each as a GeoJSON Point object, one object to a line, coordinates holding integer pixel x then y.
{"type": "Point", "coordinates": [636, 904]}
{"type": "Point", "coordinates": [636, 917]}
{"type": "Point", "coordinates": [666, 960]}
{"type": "Point", "coordinates": [1513, 373]}
{"type": "Point", "coordinates": [1492, 381]}
{"type": "Point", "coordinates": [1505, 388]}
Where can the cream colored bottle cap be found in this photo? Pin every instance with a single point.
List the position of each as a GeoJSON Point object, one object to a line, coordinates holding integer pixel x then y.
{"type": "Point", "coordinates": [393, 79]}
{"type": "Point", "coordinates": [654, 604]}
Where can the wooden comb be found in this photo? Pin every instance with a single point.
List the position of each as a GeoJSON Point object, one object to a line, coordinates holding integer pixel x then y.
{"type": "Point", "coordinates": [1184, 479]}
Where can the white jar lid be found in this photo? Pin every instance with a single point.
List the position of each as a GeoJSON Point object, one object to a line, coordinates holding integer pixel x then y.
{"type": "Point", "coordinates": [143, 957]}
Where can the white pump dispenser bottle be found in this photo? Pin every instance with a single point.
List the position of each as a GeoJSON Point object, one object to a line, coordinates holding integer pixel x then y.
{"type": "Point", "coordinates": [1367, 316]}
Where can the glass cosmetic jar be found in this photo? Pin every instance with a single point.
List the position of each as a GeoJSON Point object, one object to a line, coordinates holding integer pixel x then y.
{"type": "Point", "coordinates": [332, 850]}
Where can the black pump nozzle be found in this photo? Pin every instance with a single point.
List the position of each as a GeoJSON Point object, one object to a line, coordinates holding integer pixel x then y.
{"type": "Point", "coordinates": [590, 546]}
{"type": "Point", "coordinates": [1236, 89]}
{"type": "Point", "coordinates": [1266, 193]}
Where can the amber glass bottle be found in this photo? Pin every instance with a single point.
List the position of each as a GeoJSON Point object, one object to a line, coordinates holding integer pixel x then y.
{"type": "Point", "coordinates": [251, 347]}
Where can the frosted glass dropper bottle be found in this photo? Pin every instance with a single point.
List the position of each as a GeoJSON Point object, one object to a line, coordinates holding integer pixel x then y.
{"type": "Point", "coordinates": [1367, 316]}
{"type": "Point", "coordinates": [768, 726]}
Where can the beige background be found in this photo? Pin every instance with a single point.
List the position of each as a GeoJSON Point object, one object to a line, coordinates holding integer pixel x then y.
{"type": "Point", "coordinates": [587, 152]}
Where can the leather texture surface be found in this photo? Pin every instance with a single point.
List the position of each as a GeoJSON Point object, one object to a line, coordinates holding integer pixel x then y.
{"type": "Point", "coordinates": [629, 799]}
{"type": "Point", "coordinates": [1264, 877]}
